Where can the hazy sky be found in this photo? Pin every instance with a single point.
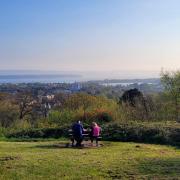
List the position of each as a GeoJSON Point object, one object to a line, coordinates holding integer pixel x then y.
{"type": "Point", "coordinates": [99, 35]}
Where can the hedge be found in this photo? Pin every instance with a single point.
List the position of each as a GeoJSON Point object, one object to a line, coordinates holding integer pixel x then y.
{"type": "Point", "coordinates": [39, 133]}
{"type": "Point", "coordinates": [133, 132]}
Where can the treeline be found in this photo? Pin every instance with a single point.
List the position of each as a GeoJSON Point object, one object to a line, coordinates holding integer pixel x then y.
{"type": "Point", "coordinates": [24, 109]}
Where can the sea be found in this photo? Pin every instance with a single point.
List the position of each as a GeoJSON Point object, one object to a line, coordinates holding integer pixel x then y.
{"type": "Point", "coordinates": [40, 79]}
{"type": "Point", "coordinates": [65, 77]}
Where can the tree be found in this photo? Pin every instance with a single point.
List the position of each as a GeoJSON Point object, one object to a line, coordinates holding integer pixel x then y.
{"type": "Point", "coordinates": [25, 102]}
{"type": "Point", "coordinates": [171, 83]}
{"type": "Point", "coordinates": [135, 104]}
{"type": "Point", "coordinates": [8, 113]}
{"type": "Point", "coordinates": [131, 96]}
{"type": "Point", "coordinates": [80, 100]}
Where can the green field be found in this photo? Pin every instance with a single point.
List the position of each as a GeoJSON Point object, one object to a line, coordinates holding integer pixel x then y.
{"type": "Point", "coordinates": [50, 160]}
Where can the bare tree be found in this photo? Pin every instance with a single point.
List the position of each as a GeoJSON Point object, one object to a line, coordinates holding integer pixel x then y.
{"type": "Point", "coordinates": [25, 102]}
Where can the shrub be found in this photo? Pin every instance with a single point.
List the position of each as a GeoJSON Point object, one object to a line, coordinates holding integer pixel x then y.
{"type": "Point", "coordinates": [59, 118]}
{"type": "Point", "coordinates": [142, 133]}
{"type": "Point", "coordinates": [40, 133]}
{"type": "Point", "coordinates": [99, 116]}
{"type": "Point", "coordinates": [104, 116]}
{"type": "Point", "coordinates": [134, 132]}
{"type": "Point", "coordinates": [8, 114]}
{"type": "Point", "coordinates": [2, 131]}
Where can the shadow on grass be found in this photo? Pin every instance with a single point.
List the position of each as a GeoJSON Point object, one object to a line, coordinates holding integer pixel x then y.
{"type": "Point", "coordinates": [161, 167]}
{"type": "Point", "coordinates": [32, 139]}
{"type": "Point", "coordinates": [67, 145]}
{"type": "Point", "coordinates": [53, 146]}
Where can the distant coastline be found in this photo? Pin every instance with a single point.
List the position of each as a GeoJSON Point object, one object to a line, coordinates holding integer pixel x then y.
{"type": "Point", "coordinates": [70, 78]}
{"type": "Point", "coordinates": [41, 78]}
{"type": "Point", "coordinates": [33, 76]}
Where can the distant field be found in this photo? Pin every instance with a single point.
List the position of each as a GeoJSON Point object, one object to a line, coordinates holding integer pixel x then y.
{"type": "Point", "coordinates": [46, 160]}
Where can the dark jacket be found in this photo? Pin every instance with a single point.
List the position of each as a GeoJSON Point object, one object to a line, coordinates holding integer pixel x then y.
{"type": "Point", "coordinates": [77, 130]}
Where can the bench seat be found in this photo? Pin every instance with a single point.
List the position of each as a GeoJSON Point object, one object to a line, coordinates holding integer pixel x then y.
{"type": "Point", "coordinates": [86, 136]}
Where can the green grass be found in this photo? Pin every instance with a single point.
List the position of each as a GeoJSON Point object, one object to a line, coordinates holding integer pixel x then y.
{"type": "Point", "coordinates": [45, 160]}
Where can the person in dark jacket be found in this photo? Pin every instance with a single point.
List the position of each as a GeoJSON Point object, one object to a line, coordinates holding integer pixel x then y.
{"type": "Point", "coordinates": [77, 130]}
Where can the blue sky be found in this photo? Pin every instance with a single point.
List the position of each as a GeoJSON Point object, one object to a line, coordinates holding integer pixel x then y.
{"type": "Point", "coordinates": [90, 35]}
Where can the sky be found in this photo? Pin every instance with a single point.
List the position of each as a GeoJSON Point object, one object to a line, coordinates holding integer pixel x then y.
{"type": "Point", "coordinates": [90, 35]}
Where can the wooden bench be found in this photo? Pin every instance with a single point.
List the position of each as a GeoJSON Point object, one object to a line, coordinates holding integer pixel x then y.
{"type": "Point", "coordinates": [86, 136]}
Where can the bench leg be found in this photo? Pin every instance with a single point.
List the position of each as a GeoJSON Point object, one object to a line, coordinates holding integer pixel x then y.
{"type": "Point", "coordinates": [72, 142]}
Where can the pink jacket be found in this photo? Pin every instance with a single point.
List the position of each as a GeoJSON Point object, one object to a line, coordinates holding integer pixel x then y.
{"type": "Point", "coordinates": [96, 131]}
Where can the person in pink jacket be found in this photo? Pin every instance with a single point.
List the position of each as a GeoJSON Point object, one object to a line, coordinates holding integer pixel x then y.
{"type": "Point", "coordinates": [95, 133]}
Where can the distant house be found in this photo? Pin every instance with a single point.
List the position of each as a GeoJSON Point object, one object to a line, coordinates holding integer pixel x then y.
{"type": "Point", "coordinates": [50, 97]}
{"type": "Point", "coordinates": [75, 87]}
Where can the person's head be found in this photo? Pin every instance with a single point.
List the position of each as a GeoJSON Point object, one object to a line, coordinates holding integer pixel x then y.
{"type": "Point", "coordinates": [94, 124]}
{"type": "Point", "coordinates": [79, 122]}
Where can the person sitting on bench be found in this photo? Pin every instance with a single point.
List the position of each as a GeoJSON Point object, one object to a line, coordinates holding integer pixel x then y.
{"type": "Point", "coordinates": [77, 131]}
{"type": "Point", "coordinates": [95, 132]}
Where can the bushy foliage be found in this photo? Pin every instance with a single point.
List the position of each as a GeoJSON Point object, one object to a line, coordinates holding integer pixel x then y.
{"type": "Point", "coordinates": [104, 116]}
{"type": "Point", "coordinates": [100, 116]}
{"type": "Point", "coordinates": [39, 133]}
{"type": "Point", "coordinates": [59, 118]}
{"type": "Point", "coordinates": [3, 131]}
{"type": "Point", "coordinates": [84, 107]}
{"type": "Point", "coordinates": [136, 132]}
{"type": "Point", "coordinates": [8, 114]}
{"type": "Point", "coordinates": [171, 83]}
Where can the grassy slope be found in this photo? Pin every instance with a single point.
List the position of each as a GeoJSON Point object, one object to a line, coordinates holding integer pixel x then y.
{"type": "Point", "coordinates": [42, 160]}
